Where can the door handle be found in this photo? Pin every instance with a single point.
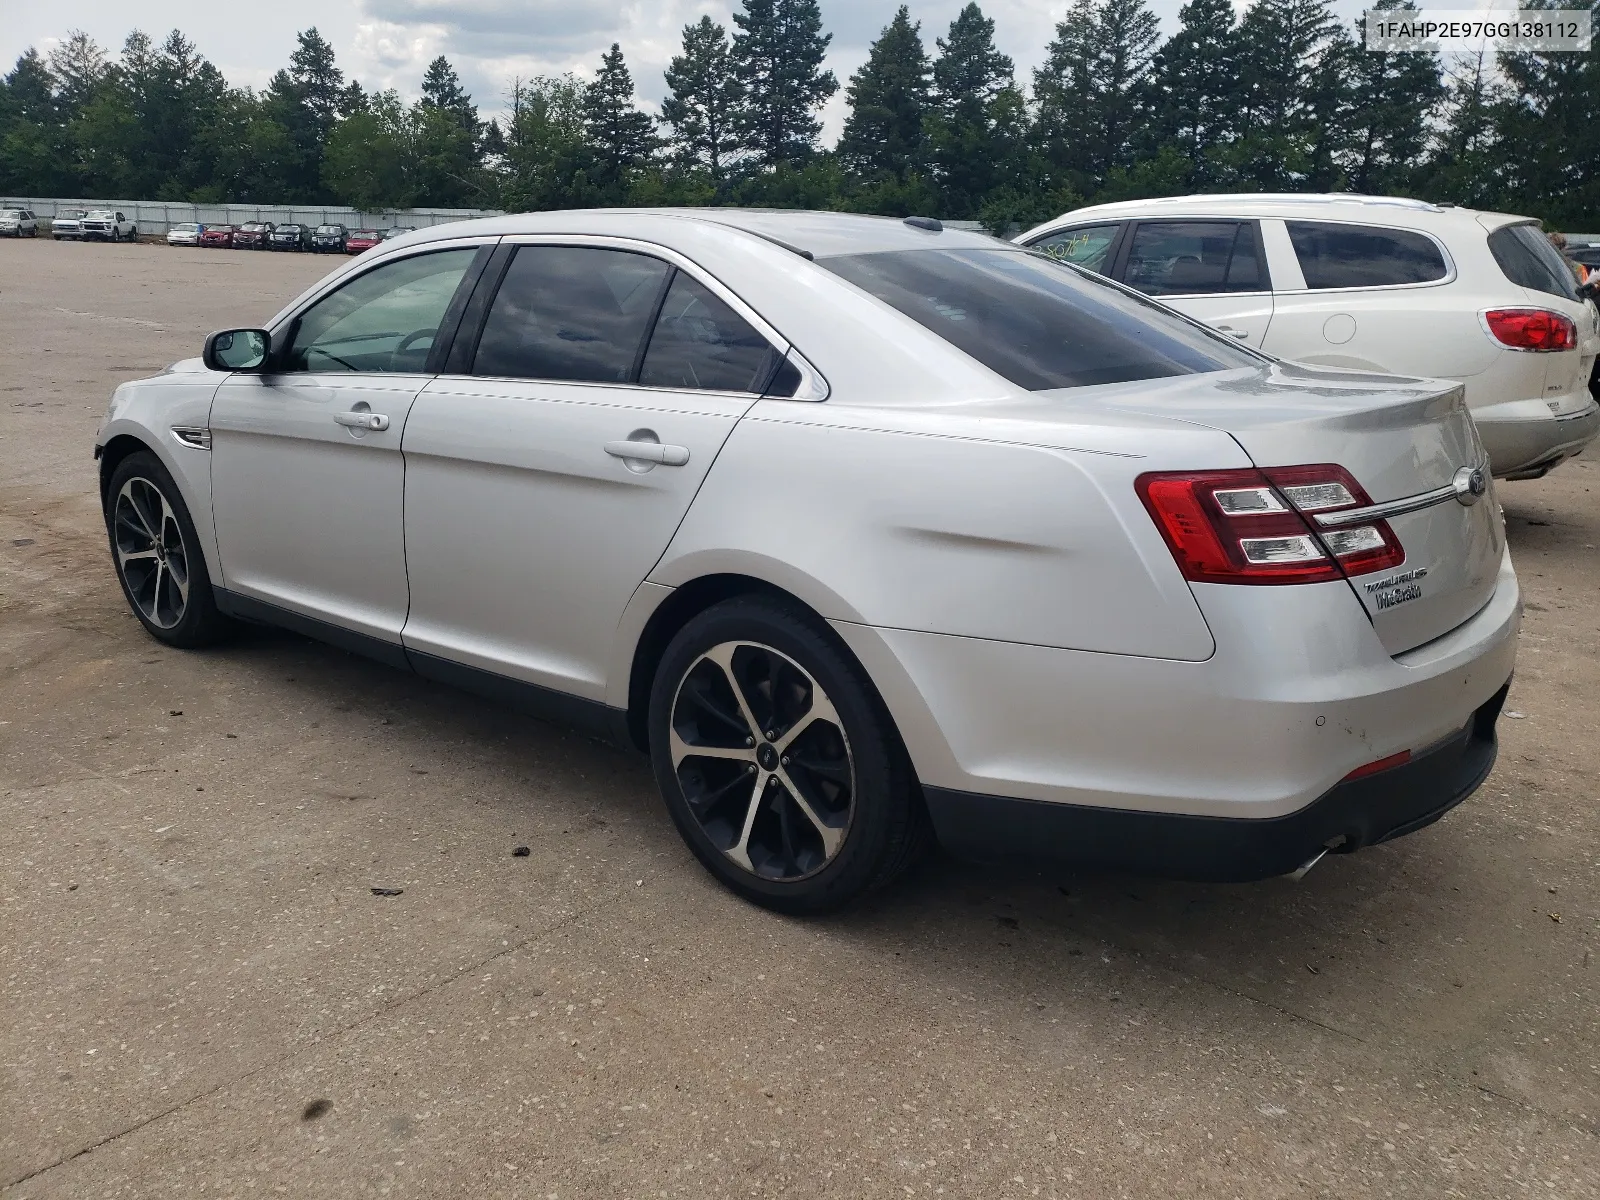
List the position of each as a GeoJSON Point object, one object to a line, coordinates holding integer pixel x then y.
{"type": "Point", "coordinates": [1232, 332]}
{"type": "Point", "coordinates": [650, 452]}
{"type": "Point", "coordinates": [363, 420]}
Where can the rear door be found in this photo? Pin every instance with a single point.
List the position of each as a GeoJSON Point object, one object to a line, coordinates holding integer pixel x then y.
{"type": "Point", "coordinates": [549, 467]}
{"type": "Point", "coordinates": [1213, 270]}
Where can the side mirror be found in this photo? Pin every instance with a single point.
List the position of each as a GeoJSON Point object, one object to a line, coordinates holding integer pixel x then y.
{"type": "Point", "coordinates": [238, 350]}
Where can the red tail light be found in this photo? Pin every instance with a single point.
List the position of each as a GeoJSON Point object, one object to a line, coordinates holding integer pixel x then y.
{"type": "Point", "coordinates": [1382, 764]}
{"type": "Point", "coordinates": [1246, 526]}
{"type": "Point", "coordinates": [1531, 329]}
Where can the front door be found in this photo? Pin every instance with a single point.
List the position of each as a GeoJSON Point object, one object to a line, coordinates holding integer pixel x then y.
{"type": "Point", "coordinates": [306, 474]}
{"type": "Point", "coordinates": [1213, 271]}
{"type": "Point", "coordinates": [543, 486]}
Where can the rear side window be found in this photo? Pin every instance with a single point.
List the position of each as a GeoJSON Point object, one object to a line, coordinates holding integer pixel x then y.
{"type": "Point", "coordinates": [1352, 256]}
{"type": "Point", "coordinates": [570, 312]}
{"type": "Point", "coordinates": [1529, 260]}
{"type": "Point", "coordinates": [699, 342]}
{"type": "Point", "coordinates": [1189, 258]}
{"type": "Point", "coordinates": [1038, 323]}
{"type": "Point", "coordinates": [1087, 246]}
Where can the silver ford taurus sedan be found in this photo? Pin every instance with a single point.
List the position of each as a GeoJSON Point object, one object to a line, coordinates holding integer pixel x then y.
{"type": "Point", "coordinates": [868, 532]}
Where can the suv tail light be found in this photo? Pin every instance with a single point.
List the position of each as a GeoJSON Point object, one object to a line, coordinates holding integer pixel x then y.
{"type": "Point", "coordinates": [1246, 526]}
{"type": "Point", "coordinates": [1531, 329]}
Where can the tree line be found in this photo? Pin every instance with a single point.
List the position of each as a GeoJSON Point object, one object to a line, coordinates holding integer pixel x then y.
{"type": "Point", "coordinates": [1282, 98]}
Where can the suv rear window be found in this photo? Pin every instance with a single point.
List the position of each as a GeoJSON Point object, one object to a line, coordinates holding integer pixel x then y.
{"type": "Point", "coordinates": [1037, 322]}
{"type": "Point", "coordinates": [1529, 260]}
{"type": "Point", "coordinates": [1349, 256]}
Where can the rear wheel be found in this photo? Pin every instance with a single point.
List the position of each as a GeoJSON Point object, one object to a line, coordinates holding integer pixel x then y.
{"type": "Point", "coordinates": [157, 555]}
{"type": "Point", "coordinates": [779, 763]}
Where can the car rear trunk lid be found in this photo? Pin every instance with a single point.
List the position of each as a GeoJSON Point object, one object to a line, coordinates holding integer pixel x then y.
{"type": "Point", "coordinates": [1402, 439]}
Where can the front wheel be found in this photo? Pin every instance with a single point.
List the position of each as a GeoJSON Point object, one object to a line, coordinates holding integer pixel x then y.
{"type": "Point", "coordinates": [779, 764]}
{"type": "Point", "coordinates": [157, 555]}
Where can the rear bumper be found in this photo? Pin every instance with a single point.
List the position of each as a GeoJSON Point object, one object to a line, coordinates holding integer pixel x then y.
{"type": "Point", "coordinates": [1359, 812]}
{"type": "Point", "coordinates": [1525, 440]}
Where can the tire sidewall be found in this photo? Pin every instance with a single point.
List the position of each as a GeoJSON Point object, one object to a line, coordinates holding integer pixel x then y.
{"type": "Point", "coordinates": [874, 749]}
{"type": "Point", "coordinates": [199, 614]}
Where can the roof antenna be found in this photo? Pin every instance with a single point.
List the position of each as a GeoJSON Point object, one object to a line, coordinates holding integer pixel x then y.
{"type": "Point", "coordinates": [931, 224]}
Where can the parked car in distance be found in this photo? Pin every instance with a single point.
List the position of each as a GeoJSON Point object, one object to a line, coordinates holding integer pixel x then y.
{"type": "Point", "coordinates": [186, 234]}
{"type": "Point", "coordinates": [1374, 284]}
{"type": "Point", "coordinates": [289, 237]}
{"type": "Point", "coordinates": [859, 528]}
{"type": "Point", "coordinates": [252, 235]}
{"type": "Point", "coordinates": [107, 225]}
{"type": "Point", "coordinates": [329, 239]}
{"type": "Point", "coordinates": [362, 239]}
{"type": "Point", "coordinates": [18, 223]}
{"type": "Point", "coordinates": [217, 236]}
{"type": "Point", "coordinates": [67, 224]}
{"type": "Point", "coordinates": [395, 231]}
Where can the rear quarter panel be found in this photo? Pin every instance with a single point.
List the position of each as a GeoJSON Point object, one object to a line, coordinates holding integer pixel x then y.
{"type": "Point", "coordinates": [991, 523]}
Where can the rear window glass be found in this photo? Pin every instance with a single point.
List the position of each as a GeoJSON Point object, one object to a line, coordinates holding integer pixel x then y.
{"type": "Point", "coordinates": [699, 342]}
{"type": "Point", "coordinates": [1037, 322]}
{"type": "Point", "coordinates": [1529, 260]}
{"type": "Point", "coordinates": [570, 312]}
{"type": "Point", "coordinates": [1349, 256]}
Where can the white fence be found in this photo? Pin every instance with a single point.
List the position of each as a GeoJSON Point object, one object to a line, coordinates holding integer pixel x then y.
{"type": "Point", "coordinates": [155, 216]}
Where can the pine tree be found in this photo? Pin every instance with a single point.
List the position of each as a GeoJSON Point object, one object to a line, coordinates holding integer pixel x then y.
{"type": "Point", "coordinates": [620, 137]}
{"type": "Point", "coordinates": [79, 66]}
{"type": "Point", "coordinates": [1194, 86]}
{"type": "Point", "coordinates": [1393, 99]}
{"type": "Point", "coordinates": [777, 56]}
{"type": "Point", "coordinates": [1467, 167]}
{"type": "Point", "coordinates": [318, 83]}
{"type": "Point", "coordinates": [705, 95]}
{"type": "Point", "coordinates": [33, 155]}
{"type": "Point", "coordinates": [1549, 132]}
{"type": "Point", "coordinates": [442, 90]}
{"type": "Point", "coordinates": [888, 97]}
{"type": "Point", "coordinates": [1280, 45]}
{"type": "Point", "coordinates": [1094, 88]}
{"type": "Point", "coordinates": [973, 89]}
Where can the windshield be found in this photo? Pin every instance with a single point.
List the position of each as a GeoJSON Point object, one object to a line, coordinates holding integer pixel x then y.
{"type": "Point", "coordinates": [185, 228]}
{"type": "Point", "coordinates": [14, 214]}
{"type": "Point", "coordinates": [101, 214]}
{"type": "Point", "coordinates": [1039, 323]}
{"type": "Point", "coordinates": [327, 229]}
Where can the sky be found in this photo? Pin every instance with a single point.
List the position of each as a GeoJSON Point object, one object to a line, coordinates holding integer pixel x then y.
{"type": "Point", "coordinates": [388, 43]}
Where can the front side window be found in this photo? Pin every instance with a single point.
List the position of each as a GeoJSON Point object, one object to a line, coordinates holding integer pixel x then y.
{"type": "Point", "coordinates": [699, 342]}
{"type": "Point", "coordinates": [384, 320]}
{"type": "Point", "coordinates": [1351, 256]}
{"type": "Point", "coordinates": [570, 313]}
{"type": "Point", "coordinates": [1189, 258]}
{"type": "Point", "coordinates": [1035, 322]}
{"type": "Point", "coordinates": [1528, 260]}
{"type": "Point", "coordinates": [1087, 246]}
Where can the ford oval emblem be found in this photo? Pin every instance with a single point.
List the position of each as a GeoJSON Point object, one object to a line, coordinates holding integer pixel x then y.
{"type": "Point", "coordinates": [1470, 484]}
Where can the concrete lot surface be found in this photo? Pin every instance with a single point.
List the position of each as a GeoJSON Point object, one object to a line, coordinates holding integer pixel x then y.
{"type": "Point", "coordinates": [201, 996]}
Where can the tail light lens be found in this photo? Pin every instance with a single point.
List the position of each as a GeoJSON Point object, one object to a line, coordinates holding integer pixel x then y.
{"type": "Point", "coordinates": [1247, 526]}
{"type": "Point", "coordinates": [1531, 329]}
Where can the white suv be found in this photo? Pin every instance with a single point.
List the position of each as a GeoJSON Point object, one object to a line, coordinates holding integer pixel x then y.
{"type": "Point", "coordinates": [1372, 283]}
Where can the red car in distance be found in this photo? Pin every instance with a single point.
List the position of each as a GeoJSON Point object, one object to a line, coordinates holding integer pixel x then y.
{"type": "Point", "coordinates": [217, 235]}
{"type": "Point", "coordinates": [362, 239]}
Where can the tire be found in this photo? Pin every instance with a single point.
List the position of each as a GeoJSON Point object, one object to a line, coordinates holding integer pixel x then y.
{"type": "Point", "coordinates": [174, 601]}
{"type": "Point", "coordinates": [805, 822]}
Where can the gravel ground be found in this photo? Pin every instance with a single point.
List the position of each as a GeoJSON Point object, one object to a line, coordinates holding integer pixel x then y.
{"type": "Point", "coordinates": [202, 996]}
